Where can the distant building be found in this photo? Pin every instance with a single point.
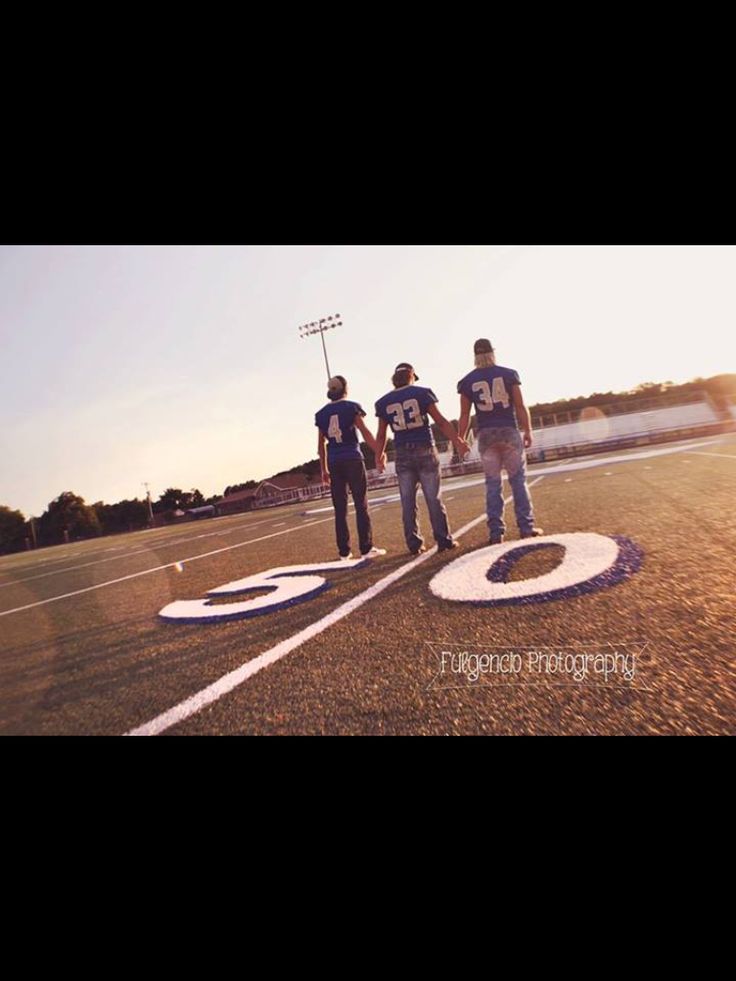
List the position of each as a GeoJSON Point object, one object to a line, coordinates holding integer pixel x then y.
{"type": "Point", "coordinates": [206, 511]}
{"type": "Point", "coordinates": [284, 489]}
{"type": "Point", "coordinates": [238, 501]}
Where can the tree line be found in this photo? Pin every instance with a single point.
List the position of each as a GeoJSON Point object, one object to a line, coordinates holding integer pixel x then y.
{"type": "Point", "coordinates": [69, 518]}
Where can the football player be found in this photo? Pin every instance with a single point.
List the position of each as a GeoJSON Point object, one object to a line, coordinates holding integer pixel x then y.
{"type": "Point", "coordinates": [342, 465]}
{"type": "Point", "coordinates": [495, 392]}
{"type": "Point", "coordinates": [406, 410]}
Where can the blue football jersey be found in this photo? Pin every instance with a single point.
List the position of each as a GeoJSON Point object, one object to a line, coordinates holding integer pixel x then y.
{"type": "Point", "coordinates": [337, 421]}
{"type": "Point", "coordinates": [491, 392]}
{"type": "Point", "coordinates": [405, 410]}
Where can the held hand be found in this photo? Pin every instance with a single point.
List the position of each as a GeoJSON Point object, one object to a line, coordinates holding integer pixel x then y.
{"type": "Point", "coordinates": [527, 439]}
{"type": "Point", "coordinates": [381, 463]}
{"type": "Point", "coordinates": [461, 448]}
{"type": "Point", "coordinates": [326, 477]}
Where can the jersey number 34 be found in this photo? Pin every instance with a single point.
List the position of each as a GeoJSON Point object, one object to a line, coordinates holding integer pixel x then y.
{"type": "Point", "coordinates": [486, 397]}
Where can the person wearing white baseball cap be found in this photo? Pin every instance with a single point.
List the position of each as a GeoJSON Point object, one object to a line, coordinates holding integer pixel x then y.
{"type": "Point", "coordinates": [406, 410]}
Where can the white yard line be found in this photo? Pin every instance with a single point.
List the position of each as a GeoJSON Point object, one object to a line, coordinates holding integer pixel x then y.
{"type": "Point", "coordinates": [158, 568]}
{"type": "Point", "coordinates": [624, 458]}
{"type": "Point", "coordinates": [130, 555]}
{"type": "Point", "coordinates": [371, 502]}
{"type": "Point", "coordinates": [452, 484]}
{"type": "Point", "coordinates": [233, 679]}
{"type": "Point", "coordinates": [723, 456]}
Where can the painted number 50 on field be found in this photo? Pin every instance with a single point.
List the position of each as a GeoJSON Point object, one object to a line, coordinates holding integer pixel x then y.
{"type": "Point", "coordinates": [480, 578]}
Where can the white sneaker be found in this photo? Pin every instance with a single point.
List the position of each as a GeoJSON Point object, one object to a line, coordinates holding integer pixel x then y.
{"type": "Point", "coordinates": [345, 558]}
{"type": "Point", "coordinates": [374, 553]}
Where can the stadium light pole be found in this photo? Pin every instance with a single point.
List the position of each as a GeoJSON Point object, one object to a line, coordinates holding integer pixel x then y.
{"type": "Point", "coordinates": [150, 509]}
{"type": "Point", "coordinates": [319, 327]}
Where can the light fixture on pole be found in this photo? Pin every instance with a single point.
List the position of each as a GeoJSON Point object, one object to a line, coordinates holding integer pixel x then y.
{"type": "Point", "coordinates": [319, 327]}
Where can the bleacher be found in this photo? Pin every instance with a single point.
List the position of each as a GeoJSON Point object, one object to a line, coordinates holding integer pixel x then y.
{"type": "Point", "coordinates": [610, 426]}
{"type": "Point", "coordinates": [630, 425]}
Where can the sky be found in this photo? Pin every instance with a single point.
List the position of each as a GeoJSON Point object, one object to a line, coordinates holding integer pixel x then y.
{"type": "Point", "coordinates": [182, 365]}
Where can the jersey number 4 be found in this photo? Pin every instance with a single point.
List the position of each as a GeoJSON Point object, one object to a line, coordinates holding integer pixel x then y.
{"type": "Point", "coordinates": [486, 397]}
{"type": "Point", "coordinates": [334, 431]}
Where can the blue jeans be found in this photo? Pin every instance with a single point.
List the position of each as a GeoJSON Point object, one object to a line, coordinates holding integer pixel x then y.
{"type": "Point", "coordinates": [344, 474]}
{"type": "Point", "coordinates": [418, 463]}
{"type": "Point", "coordinates": [501, 448]}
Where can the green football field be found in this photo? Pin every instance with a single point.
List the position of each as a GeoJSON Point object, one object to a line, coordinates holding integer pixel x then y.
{"type": "Point", "coordinates": [84, 650]}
